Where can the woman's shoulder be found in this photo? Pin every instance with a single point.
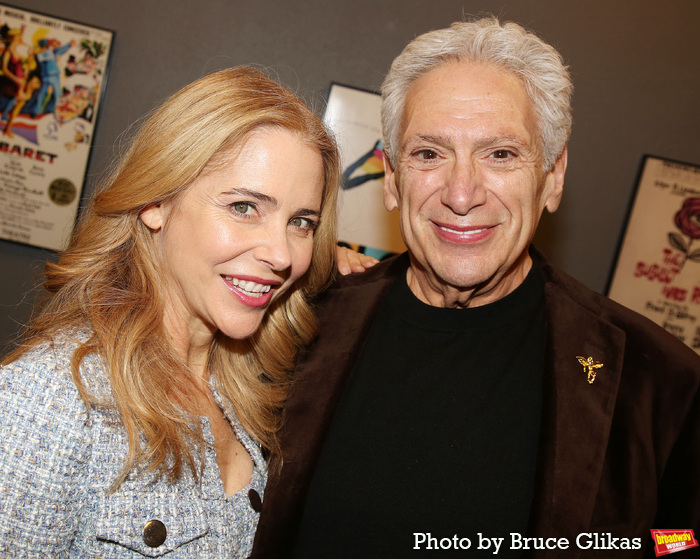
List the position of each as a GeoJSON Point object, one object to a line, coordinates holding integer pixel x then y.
{"type": "Point", "coordinates": [44, 371]}
{"type": "Point", "coordinates": [45, 449]}
{"type": "Point", "coordinates": [43, 364]}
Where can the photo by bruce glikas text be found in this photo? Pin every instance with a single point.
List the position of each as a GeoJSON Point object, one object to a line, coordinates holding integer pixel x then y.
{"type": "Point", "coordinates": [605, 541]}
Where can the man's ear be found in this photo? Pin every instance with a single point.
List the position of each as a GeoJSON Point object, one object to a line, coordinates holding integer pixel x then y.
{"type": "Point", "coordinates": [554, 182]}
{"type": "Point", "coordinates": [391, 193]}
{"type": "Point", "coordinates": [152, 216]}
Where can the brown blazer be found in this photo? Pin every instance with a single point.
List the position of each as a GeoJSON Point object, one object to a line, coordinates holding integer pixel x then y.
{"type": "Point", "coordinates": [613, 454]}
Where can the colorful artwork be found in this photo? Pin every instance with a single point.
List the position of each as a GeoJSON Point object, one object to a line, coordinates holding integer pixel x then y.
{"type": "Point", "coordinates": [52, 74]}
{"type": "Point", "coordinates": [687, 220]}
{"type": "Point", "coordinates": [369, 167]}
{"type": "Point", "coordinates": [658, 269]}
{"type": "Point", "coordinates": [364, 224]}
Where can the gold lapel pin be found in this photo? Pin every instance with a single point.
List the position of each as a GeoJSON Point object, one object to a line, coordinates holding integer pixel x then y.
{"type": "Point", "coordinates": [589, 367]}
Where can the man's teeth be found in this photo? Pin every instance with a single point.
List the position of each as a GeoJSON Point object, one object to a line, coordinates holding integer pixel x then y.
{"type": "Point", "coordinates": [255, 289]}
{"type": "Point", "coordinates": [472, 232]}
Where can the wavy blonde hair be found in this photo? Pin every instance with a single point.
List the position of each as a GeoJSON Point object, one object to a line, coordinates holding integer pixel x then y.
{"type": "Point", "coordinates": [108, 279]}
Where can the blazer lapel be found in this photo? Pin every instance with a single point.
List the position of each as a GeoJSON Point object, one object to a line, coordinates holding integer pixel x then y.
{"type": "Point", "coordinates": [320, 377]}
{"type": "Point", "coordinates": [576, 415]}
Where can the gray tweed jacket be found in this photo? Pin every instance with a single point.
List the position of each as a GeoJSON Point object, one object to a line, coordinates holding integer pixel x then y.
{"type": "Point", "coordinates": [57, 463]}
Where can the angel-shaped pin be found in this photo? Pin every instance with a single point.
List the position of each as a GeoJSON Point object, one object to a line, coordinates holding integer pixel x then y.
{"type": "Point", "coordinates": [590, 367]}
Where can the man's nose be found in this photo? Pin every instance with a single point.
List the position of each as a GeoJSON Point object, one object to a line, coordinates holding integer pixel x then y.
{"type": "Point", "coordinates": [463, 189]}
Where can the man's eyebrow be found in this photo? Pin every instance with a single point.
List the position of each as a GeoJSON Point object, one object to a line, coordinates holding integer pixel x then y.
{"type": "Point", "coordinates": [498, 140]}
{"type": "Point", "coordinates": [428, 138]}
{"type": "Point", "coordinates": [441, 140]}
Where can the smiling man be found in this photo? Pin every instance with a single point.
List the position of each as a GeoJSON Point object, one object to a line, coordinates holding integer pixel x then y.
{"type": "Point", "coordinates": [470, 184]}
{"type": "Point", "coordinates": [466, 395]}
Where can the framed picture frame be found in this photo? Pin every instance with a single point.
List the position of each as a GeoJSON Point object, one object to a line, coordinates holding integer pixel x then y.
{"type": "Point", "coordinates": [363, 224]}
{"type": "Point", "coordinates": [53, 74]}
{"type": "Point", "coordinates": [657, 269]}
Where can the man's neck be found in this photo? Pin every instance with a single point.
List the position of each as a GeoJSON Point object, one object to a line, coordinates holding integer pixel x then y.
{"type": "Point", "coordinates": [438, 294]}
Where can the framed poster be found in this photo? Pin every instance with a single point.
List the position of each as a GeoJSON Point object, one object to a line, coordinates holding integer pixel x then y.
{"type": "Point", "coordinates": [657, 272]}
{"type": "Point", "coordinates": [363, 223]}
{"type": "Point", "coordinates": [52, 78]}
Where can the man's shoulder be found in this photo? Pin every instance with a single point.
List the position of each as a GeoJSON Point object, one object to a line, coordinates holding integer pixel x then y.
{"type": "Point", "coordinates": [374, 279]}
{"type": "Point", "coordinates": [389, 268]}
{"type": "Point", "coordinates": [642, 336]}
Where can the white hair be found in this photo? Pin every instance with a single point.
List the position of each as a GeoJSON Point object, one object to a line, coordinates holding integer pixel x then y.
{"type": "Point", "coordinates": [486, 41]}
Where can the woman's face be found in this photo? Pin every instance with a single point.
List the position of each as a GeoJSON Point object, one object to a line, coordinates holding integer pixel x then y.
{"type": "Point", "coordinates": [239, 236]}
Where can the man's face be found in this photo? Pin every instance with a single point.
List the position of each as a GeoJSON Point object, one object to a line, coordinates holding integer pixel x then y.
{"type": "Point", "coordinates": [469, 184]}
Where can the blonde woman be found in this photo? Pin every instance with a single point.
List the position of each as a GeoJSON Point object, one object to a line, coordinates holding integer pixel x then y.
{"type": "Point", "coordinates": [140, 412]}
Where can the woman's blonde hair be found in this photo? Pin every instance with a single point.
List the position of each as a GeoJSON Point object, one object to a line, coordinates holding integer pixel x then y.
{"type": "Point", "coordinates": [108, 279]}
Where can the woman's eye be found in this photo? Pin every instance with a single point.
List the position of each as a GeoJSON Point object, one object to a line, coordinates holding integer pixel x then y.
{"type": "Point", "coordinates": [302, 223]}
{"type": "Point", "coordinates": [241, 207]}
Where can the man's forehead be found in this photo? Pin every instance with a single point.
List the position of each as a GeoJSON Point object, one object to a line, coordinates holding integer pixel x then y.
{"type": "Point", "coordinates": [465, 78]}
{"type": "Point", "coordinates": [459, 94]}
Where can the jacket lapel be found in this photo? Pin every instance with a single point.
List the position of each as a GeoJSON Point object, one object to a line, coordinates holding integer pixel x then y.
{"type": "Point", "coordinates": [576, 415]}
{"type": "Point", "coordinates": [321, 374]}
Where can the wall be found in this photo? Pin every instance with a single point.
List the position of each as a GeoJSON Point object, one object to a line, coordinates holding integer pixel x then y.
{"type": "Point", "coordinates": [634, 64]}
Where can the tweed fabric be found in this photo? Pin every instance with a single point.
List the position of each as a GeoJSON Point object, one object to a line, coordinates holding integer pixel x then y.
{"type": "Point", "coordinates": [58, 460]}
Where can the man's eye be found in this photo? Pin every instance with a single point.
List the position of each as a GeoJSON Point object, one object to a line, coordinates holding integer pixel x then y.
{"type": "Point", "coordinates": [426, 154]}
{"type": "Point", "coordinates": [502, 154]}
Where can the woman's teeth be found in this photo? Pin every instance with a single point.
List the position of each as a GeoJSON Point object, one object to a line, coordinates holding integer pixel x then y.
{"type": "Point", "coordinates": [255, 289]}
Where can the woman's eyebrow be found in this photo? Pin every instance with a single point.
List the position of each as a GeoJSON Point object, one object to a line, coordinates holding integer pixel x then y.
{"type": "Point", "coordinates": [304, 212]}
{"type": "Point", "coordinates": [269, 200]}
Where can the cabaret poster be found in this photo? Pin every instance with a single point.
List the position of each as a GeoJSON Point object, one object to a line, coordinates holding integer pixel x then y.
{"type": "Point", "coordinates": [364, 224]}
{"type": "Point", "coordinates": [52, 79]}
{"type": "Point", "coordinates": [658, 268]}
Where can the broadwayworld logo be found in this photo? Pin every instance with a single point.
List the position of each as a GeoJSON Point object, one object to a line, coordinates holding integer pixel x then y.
{"type": "Point", "coordinates": [671, 541]}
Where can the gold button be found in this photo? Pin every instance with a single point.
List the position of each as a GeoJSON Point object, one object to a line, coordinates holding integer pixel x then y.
{"type": "Point", "coordinates": [154, 533]}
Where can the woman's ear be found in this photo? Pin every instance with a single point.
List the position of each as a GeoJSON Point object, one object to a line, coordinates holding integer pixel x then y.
{"type": "Point", "coordinates": [152, 216]}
